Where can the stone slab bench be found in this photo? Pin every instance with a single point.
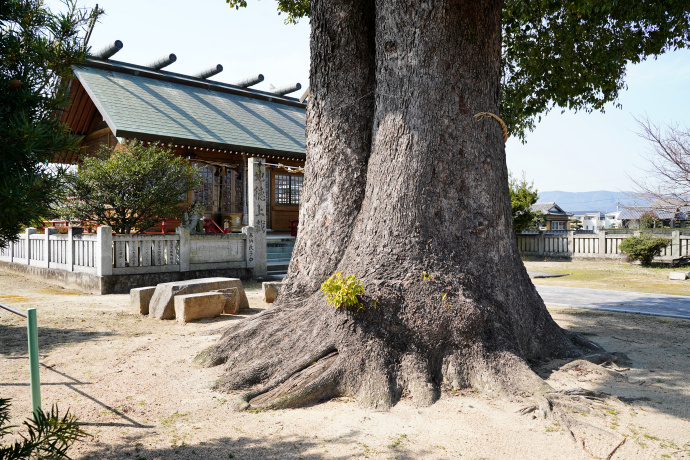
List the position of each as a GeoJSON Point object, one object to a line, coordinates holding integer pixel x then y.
{"type": "Point", "coordinates": [162, 305]}
{"type": "Point", "coordinates": [189, 307]}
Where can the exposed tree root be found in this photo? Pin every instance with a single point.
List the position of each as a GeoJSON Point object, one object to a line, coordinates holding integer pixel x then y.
{"type": "Point", "coordinates": [580, 411]}
{"type": "Point", "coordinates": [413, 344]}
{"type": "Point", "coordinates": [610, 455]}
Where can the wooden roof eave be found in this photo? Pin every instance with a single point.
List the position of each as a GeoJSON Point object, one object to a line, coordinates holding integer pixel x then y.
{"type": "Point", "coordinates": [208, 145]}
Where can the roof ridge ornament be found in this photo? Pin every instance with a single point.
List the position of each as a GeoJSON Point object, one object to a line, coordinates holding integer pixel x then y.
{"type": "Point", "coordinates": [163, 61]}
{"type": "Point", "coordinates": [108, 50]}
{"type": "Point", "coordinates": [250, 81]}
{"type": "Point", "coordinates": [282, 91]}
{"type": "Point", "coordinates": [209, 72]}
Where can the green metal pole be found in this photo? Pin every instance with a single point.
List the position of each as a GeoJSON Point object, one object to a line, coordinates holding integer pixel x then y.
{"type": "Point", "coordinates": [32, 329]}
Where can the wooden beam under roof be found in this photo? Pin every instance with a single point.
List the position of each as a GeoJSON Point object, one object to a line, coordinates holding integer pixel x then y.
{"type": "Point", "coordinates": [80, 110]}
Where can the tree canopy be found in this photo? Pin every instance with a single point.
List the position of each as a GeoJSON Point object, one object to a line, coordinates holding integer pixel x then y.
{"type": "Point", "coordinates": [570, 54]}
{"type": "Point", "coordinates": [37, 51]}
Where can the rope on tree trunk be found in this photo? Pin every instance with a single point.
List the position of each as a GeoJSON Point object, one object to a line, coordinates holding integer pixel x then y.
{"type": "Point", "coordinates": [504, 128]}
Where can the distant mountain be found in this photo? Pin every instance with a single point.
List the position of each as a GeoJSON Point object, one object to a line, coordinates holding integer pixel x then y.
{"type": "Point", "coordinates": [600, 200]}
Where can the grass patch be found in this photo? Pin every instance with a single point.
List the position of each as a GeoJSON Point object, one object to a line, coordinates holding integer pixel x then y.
{"type": "Point", "coordinates": [613, 275]}
{"type": "Point", "coordinates": [398, 440]}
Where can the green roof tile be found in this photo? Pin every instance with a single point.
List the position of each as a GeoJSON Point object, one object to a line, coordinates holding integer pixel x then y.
{"type": "Point", "coordinates": [147, 108]}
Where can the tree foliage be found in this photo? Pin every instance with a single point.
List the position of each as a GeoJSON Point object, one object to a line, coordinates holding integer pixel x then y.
{"type": "Point", "coordinates": [570, 54]}
{"type": "Point", "coordinates": [47, 435]}
{"type": "Point", "coordinates": [342, 291]}
{"type": "Point", "coordinates": [522, 196]}
{"type": "Point", "coordinates": [131, 187]}
{"type": "Point", "coordinates": [644, 247]}
{"type": "Point", "coordinates": [295, 9]}
{"type": "Point", "coordinates": [37, 51]}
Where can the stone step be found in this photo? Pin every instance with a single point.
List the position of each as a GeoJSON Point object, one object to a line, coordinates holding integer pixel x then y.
{"type": "Point", "coordinates": [274, 262]}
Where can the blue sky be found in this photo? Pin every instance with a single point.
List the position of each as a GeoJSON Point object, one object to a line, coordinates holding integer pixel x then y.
{"type": "Point", "coordinates": [570, 152]}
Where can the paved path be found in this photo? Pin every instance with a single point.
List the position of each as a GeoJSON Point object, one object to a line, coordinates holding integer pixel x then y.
{"type": "Point", "coordinates": [630, 302]}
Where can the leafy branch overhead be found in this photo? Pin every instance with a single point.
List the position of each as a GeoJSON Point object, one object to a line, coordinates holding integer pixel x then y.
{"type": "Point", "coordinates": [570, 54]}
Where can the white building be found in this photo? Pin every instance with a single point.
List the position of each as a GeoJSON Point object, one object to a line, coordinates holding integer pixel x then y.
{"type": "Point", "coordinates": [591, 220]}
{"type": "Point", "coordinates": [613, 220]}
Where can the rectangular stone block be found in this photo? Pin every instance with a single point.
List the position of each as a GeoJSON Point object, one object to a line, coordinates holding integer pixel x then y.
{"type": "Point", "coordinates": [189, 307]}
{"type": "Point", "coordinates": [232, 300]}
{"type": "Point", "coordinates": [162, 302]}
{"type": "Point", "coordinates": [271, 290]}
{"type": "Point", "coordinates": [140, 298]}
{"type": "Point", "coordinates": [678, 276]}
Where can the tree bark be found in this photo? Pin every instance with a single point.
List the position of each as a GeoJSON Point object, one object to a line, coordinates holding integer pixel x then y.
{"type": "Point", "coordinates": [408, 191]}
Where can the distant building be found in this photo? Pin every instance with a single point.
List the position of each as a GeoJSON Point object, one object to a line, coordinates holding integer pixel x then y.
{"type": "Point", "coordinates": [591, 220]}
{"type": "Point", "coordinates": [554, 217]}
{"type": "Point", "coordinates": [613, 220]}
{"type": "Point", "coordinates": [666, 213]}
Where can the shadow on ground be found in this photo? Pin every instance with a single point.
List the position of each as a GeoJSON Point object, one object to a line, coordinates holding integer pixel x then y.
{"type": "Point", "coordinates": [13, 340]}
{"type": "Point", "coordinates": [247, 447]}
{"type": "Point", "coordinates": [658, 347]}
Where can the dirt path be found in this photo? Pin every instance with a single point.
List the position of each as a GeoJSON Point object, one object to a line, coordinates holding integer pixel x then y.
{"type": "Point", "coordinates": [134, 384]}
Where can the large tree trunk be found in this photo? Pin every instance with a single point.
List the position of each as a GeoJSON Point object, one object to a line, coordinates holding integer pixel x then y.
{"type": "Point", "coordinates": [408, 191]}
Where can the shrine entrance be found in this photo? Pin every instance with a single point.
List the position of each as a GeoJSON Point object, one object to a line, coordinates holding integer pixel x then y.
{"type": "Point", "coordinates": [222, 192]}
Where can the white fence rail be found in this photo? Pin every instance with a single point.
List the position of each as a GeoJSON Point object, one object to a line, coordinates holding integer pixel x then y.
{"type": "Point", "coordinates": [105, 254]}
{"type": "Point", "coordinates": [75, 252]}
{"type": "Point", "coordinates": [601, 245]}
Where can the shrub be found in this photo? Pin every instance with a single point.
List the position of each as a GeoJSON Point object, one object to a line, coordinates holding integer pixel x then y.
{"type": "Point", "coordinates": [48, 435]}
{"type": "Point", "coordinates": [648, 220]}
{"type": "Point", "coordinates": [342, 292]}
{"type": "Point", "coordinates": [644, 247]}
{"type": "Point", "coordinates": [132, 187]}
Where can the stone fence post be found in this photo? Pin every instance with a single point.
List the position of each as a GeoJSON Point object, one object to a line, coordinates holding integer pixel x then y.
{"type": "Point", "coordinates": [104, 250]}
{"type": "Point", "coordinates": [29, 231]}
{"type": "Point", "coordinates": [257, 213]}
{"type": "Point", "coordinates": [185, 247]}
{"type": "Point", "coordinates": [675, 244]}
{"type": "Point", "coordinates": [48, 231]}
{"type": "Point", "coordinates": [69, 253]}
{"type": "Point", "coordinates": [602, 244]}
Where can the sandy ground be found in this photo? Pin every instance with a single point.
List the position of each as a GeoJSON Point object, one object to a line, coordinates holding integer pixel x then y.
{"type": "Point", "coordinates": [134, 384]}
